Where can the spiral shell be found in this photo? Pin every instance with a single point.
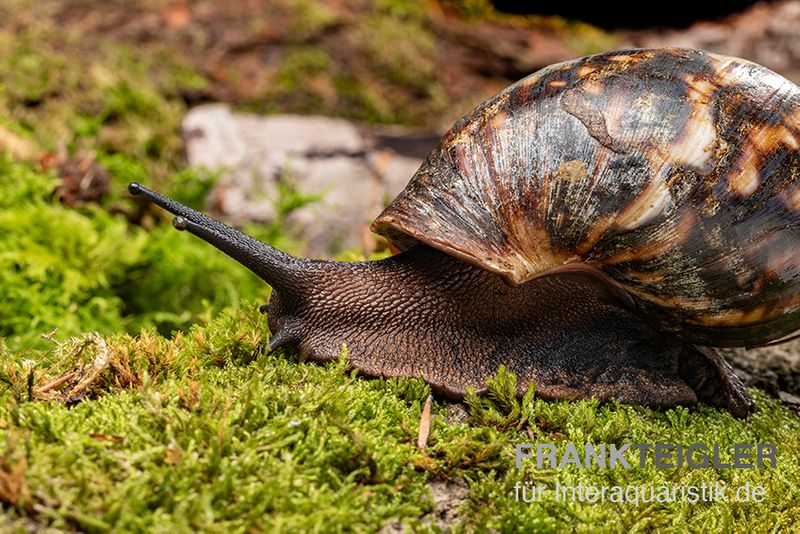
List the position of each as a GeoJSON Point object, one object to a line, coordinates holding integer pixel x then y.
{"type": "Point", "coordinates": [674, 173]}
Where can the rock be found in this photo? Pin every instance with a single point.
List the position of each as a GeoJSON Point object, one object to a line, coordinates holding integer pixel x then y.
{"type": "Point", "coordinates": [775, 369]}
{"type": "Point", "coordinates": [211, 137]}
{"type": "Point", "coordinates": [447, 498]}
{"type": "Point", "coordinates": [353, 169]}
{"type": "Point", "coordinates": [456, 414]}
{"type": "Point", "coordinates": [395, 527]}
{"type": "Point", "coordinates": [791, 401]}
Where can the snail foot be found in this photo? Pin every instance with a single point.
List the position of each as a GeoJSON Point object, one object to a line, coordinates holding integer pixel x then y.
{"type": "Point", "coordinates": [616, 355]}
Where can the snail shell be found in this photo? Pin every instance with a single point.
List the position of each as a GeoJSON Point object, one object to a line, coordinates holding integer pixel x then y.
{"type": "Point", "coordinates": [672, 173]}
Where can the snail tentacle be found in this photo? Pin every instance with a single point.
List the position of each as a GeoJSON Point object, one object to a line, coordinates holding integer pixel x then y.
{"type": "Point", "coordinates": [274, 266]}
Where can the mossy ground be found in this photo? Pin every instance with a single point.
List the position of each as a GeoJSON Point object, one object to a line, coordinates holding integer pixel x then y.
{"type": "Point", "coordinates": [117, 421]}
{"type": "Point", "coordinates": [210, 431]}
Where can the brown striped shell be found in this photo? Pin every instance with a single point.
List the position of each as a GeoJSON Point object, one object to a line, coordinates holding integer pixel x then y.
{"type": "Point", "coordinates": [675, 173]}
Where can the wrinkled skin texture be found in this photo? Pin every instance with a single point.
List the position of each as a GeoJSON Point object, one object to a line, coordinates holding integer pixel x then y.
{"type": "Point", "coordinates": [425, 314]}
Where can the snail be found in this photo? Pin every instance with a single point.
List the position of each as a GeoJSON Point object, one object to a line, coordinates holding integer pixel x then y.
{"type": "Point", "coordinates": [595, 228]}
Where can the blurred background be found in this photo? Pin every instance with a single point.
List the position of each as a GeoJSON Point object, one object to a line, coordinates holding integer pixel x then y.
{"type": "Point", "coordinates": [296, 120]}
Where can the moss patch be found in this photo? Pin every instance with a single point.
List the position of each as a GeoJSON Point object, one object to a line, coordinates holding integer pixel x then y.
{"type": "Point", "coordinates": [87, 270]}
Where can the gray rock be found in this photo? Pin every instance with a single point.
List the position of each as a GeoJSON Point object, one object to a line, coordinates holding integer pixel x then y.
{"type": "Point", "coordinates": [448, 495]}
{"type": "Point", "coordinates": [456, 414]}
{"type": "Point", "coordinates": [353, 169]}
{"type": "Point", "coordinates": [774, 369]}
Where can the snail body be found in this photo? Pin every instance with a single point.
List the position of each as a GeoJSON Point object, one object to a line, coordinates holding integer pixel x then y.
{"type": "Point", "coordinates": [568, 228]}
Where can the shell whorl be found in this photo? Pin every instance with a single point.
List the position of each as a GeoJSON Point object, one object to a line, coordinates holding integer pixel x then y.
{"type": "Point", "coordinates": [674, 172]}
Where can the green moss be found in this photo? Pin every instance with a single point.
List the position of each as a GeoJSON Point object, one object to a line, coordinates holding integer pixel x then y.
{"type": "Point", "coordinates": [581, 37]}
{"type": "Point", "coordinates": [87, 270]}
{"type": "Point", "coordinates": [382, 70]}
{"type": "Point", "coordinates": [106, 99]}
{"type": "Point", "coordinates": [308, 18]}
{"type": "Point", "coordinates": [215, 448]}
{"type": "Point", "coordinates": [301, 85]}
{"type": "Point", "coordinates": [471, 9]}
{"type": "Point", "coordinates": [45, 253]}
{"type": "Point", "coordinates": [586, 39]}
{"type": "Point", "coordinates": [300, 63]}
{"type": "Point", "coordinates": [400, 52]}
